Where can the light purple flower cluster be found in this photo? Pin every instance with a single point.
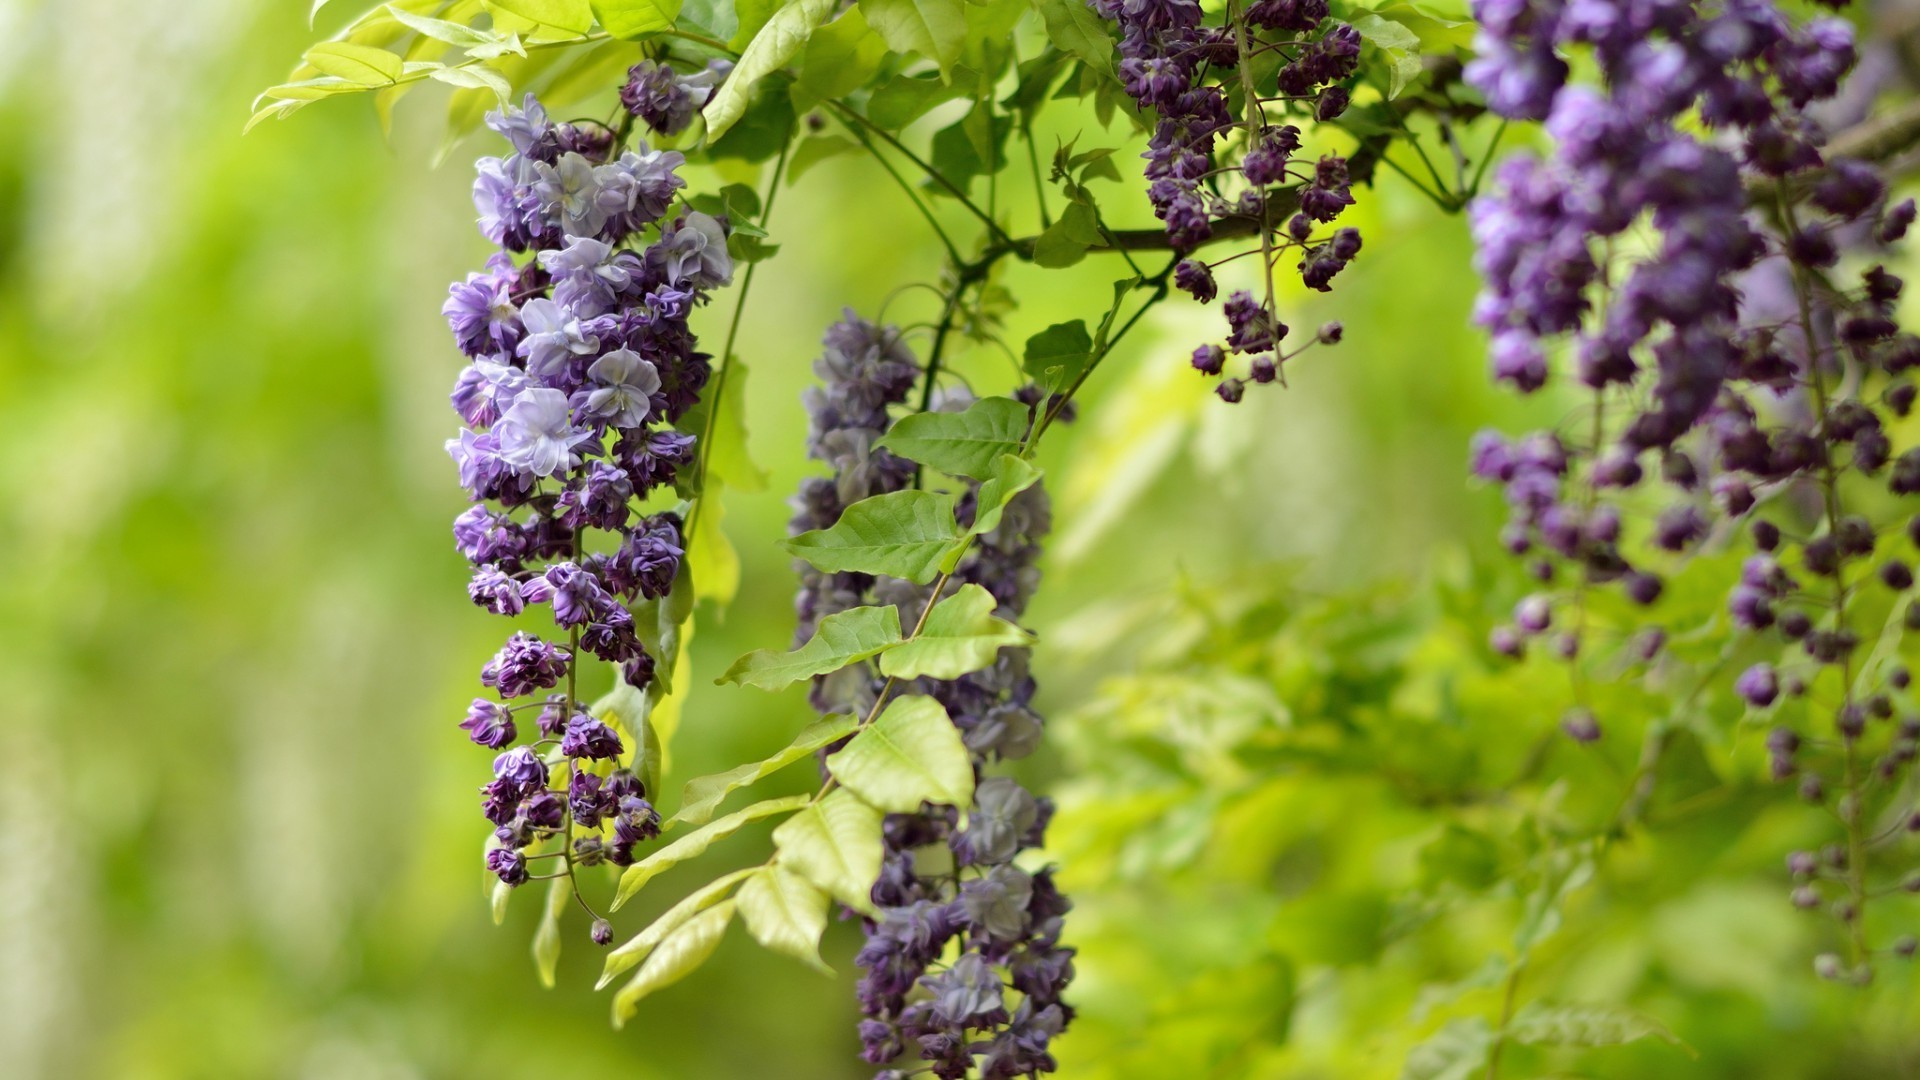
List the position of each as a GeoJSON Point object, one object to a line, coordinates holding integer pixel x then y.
{"type": "Point", "coordinates": [664, 99]}
{"type": "Point", "coordinates": [997, 1004]}
{"type": "Point", "coordinates": [1747, 350]}
{"type": "Point", "coordinates": [581, 360]}
{"type": "Point", "coordinates": [1174, 64]}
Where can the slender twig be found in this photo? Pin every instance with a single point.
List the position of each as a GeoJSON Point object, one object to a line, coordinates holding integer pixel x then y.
{"type": "Point", "coordinates": [932, 173]}
{"type": "Point", "coordinates": [860, 136]}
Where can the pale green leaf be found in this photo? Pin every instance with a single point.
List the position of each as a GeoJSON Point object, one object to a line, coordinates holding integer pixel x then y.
{"type": "Point", "coordinates": [475, 78]}
{"type": "Point", "coordinates": [776, 43]}
{"type": "Point", "coordinates": [1077, 30]}
{"type": "Point", "coordinates": [786, 913]}
{"type": "Point", "coordinates": [932, 28]}
{"type": "Point", "coordinates": [845, 637]}
{"type": "Point", "coordinates": [1457, 1051]}
{"type": "Point", "coordinates": [501, 893]}
{"type": "Point", "coordinates": [641, 945]}
{"type": "Point", "coordinates": [704, 794]}
{"type": "Point", "coordinates": [813, 151]}
{"type": "Point", "coordinates": [452, 33]}
{"type": "Point", "coordinates": [839, 58]}
{"type": "Point", "coordinates": [574, 16]}
{"type": "Point", "coordinates": [723, 435]}
{"type": "Point", "coordinates": [904, 534]}
{"type": "Point", "coordinates": [835, 843]}
{"type": "Point", "coordinates": [910, 755]}
{"type": "Point", "coordinates": [905, 98]}
{"type": "Point", "coordinates": [963, 443]}
{"type": "Point", "coordinates": [1056, 356]}
{"type": "Point", "coordinates": [632, 19]}
{"type": "Point", "coordinates": [683, 951]}
{"type": "Point", "coordinates": [711, 549]}
{"type": "Point", "coordinates": [546, 937]}
{"type": "Point", "coordinates": [697, 842]}
{"type": "Point", "coordinates": [961, 635]}
{"type": "Point", "coordinates": [629, 712]}
{"type": "Point", "coordinates": [1540, 1024]}
{"type": "Point", "coordinates": [1011, 476]}
{"type": "Point", "coordinates": [361, 65]}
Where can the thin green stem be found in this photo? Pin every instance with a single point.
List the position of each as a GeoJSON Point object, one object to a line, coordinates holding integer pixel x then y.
{"type": "Point", "coordinates": [860, 136]}
{"type": "Point", "coordinates": [932, 173]}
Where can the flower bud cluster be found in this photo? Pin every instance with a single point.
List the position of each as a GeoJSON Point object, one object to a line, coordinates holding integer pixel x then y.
{"type": "Point", "coordinates": [581, 359]}
{"type": "Point", "coordinates": [1186, 72]}
{"type": "Point", "coordinates": [945, 891]}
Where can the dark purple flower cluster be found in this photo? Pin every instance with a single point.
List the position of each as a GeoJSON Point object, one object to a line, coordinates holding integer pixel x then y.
{"type": "Point", "coordinates": [944, 890]}
{"type": "Point", "coordinates": [581, 360]}
{"type": "Point", "coordinates": [1747, 352]}
{"type": "Point", "coordinates": [1175, 65]}
{"type": "Point", "coordinates": [664, 99]}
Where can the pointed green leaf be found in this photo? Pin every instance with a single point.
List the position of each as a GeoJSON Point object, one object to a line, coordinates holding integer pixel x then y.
{"type": "Point", "coordinates": [932, 28]}
{"type": "Point", "coordinates": [1540, 1024]}
{"type": "Point", "coordinates": [628, 711]}
{"type": "Point", "coordinates": [905, 98]}
{"type": "Point", "coordinates": [1011, 476]}
{"type": "Point", "coordinates": [574, 16]}
{"type": "Point", "coordinates": [635, 18]}
{"type": "Point", "coordinates": [697, 842]}
{"type": "Point", "coordinates": [845, 637]}
{"type": "Point", "coordinates": [452, 33]}
{"type": "Point", "coordinates": [1057, 355]}
{"type": "Point", "coordinates": [361, 65]}
{"type": "Point", "coordinates": [1457, 1051]}
{"type": "Point", "coordinates": [723, 436]}
{"type": "Point", "coordinates": [776, 43]}
{"type": "Point", "coordinates": [703, 794]}
{"type": "Point", "coordinates": [474, 77]}
{"type": "Point", "coordinates": [786, 913]}
{"type": "Point", "coordinates": [910, 755]}
{"type": "Point", "coordinates": [683, 951]}
{"type": "Point", "coordinates": [961, 635]}
{"type": "Point", "coordinates": [840, 58]}
{"type": "Point", "coordinates": [1077, 30]}
{"type": "Point", "coordinates": [813, 151]}
{"type": "Point", "coordinates": [963, 443]}
{"type": "Point", "coordinates": [502, 892]}
{"type": "Point", "coordinates": [835, 843]}
{"type": "Point", "coordinates": [902, 534]}
{"type": "Point", "coordinates": [641, 945]}
{"type": "Point", "coordinates": [546, 937]}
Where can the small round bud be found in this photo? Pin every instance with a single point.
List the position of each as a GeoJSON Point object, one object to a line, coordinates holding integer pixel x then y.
{"type": "Point", "coordinates": [1896, 575]}
{"type": "Point", "coordinates": [1766, 535]}
{"type": "Point", "coordinates": [1899, 678]}
{"type": "Point", "coordinates": [1828, 966]}
{"type": "Point", "coordinates": [1566, 646]}
{"type": "Point", "coordinates": [1231, 390]}
{"type": "Point", "coordinates": [1533, 615]}
{"type": "Point", "coordinates": [1643, 589]}
{"type": "Point", "coordinates": [1802, 864]}
{"type": "Point", "coordinates": [1264, 370]}
{"type": "Point", "coordinates": [1812, 790]}
{"type": "Point", "coordinates": [1759, 684]}
{"type": "Point", "coordinates": [602, 932]}
{"type": "Point", "coordinates": [1648, 643]}
{"type": "Point", "coordinates": [1905, 946]}
{"type": "Point", "coordinates": [1850, 721]}
{"type": "Point", "coordinates": [1796, 625]}
{"type": "Point", "coordinates": [1330, 333]}
{"type": "Point", "coordinates": [1844, 911]}
{"type": "Point", "coordinates": [1505, 641]}
{"type": "Point", "coordinates": [1581, 726]}
{"type": "Point", "coordinates": [1806, 897]}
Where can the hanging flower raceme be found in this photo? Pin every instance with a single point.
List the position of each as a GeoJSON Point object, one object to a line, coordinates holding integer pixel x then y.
{"type": "Point", "coordinates": [580, 362]}
{"type": "Point", "coordinates": [944, 891]}
{"type": "Point", "coordinates": [1185, 72]}
{"type": "Point", "coordinates": [1713, 273]}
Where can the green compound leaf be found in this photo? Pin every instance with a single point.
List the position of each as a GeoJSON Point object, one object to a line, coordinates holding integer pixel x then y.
{"type": "Point", "coordinates": [905, 98]}
{"type": "Point", "coordinates": [546, 938]}
{"type": "Point", "coordinates": [361, 65]}
{"type": "Point", "coordinates": [846, 637]}
{"type": "Point", "coordinates": [574, 16]}
{"type": "Point", "coordinates": [964, 443]}
{"type": "Point", "coordinates": [935, 29]}
{"type": "Point", "coordinates": [704, 794]}
{"type": "Point", "coordinates": [1075, 29]}
{"type": "Point", "coordinates": [903, 534]}
{"type": "Point", "coordinates": [1540, 1024]}
{"type": "Point", "coordinates": [1011, 476]}
{"type": "Point", "coordinates": [641, 945]}
{"type": "Point", "coordinates": [697, 842]}
{"type": "Point", "coordinates": [1057, 355]}
{"type": "Point", "coordinates": [636, 18]}
{"type": "Point", "coordinates": [961, 635]}
{"type": "Point", "coordinates": [683, 951]}
{"type": "Point", "coordinates": [786, 913]}
{"type": "Point", "coordinates": [835, 843]}
{"type": "Point", "coordinates": [1457, 1051]}
{"type": "Point", "coordinates": [910, 755]}
{"type": "Point", "coordinates": [776, 43]}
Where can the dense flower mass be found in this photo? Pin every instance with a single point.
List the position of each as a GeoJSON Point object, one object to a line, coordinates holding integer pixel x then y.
{"type": "Point", "coordinates": [581, 360]}
{"type": "Point", "coordinates": [995, 1006]}
{"type": "Point", "coordinates": [1185, 71]}
{"type": "Point", "coordinates": [1711, 270]}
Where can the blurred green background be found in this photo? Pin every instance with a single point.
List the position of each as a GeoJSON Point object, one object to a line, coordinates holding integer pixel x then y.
{"type": "Point", "coordinates": [238, 830]}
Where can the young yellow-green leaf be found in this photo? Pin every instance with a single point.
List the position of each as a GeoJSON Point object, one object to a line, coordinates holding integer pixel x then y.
{"type": "Point", "coordinates": [1457, 1051]}
{"type": "Point", "coordinates": [1066, 241]}
{"type": "Point", "coordinates": [905, 98]}
{"type": "Point", "coordinates": [711, 549]}
{"type": "Point", "coordinates": [935, 29]}
{"type": "Point", "coordinates": [845, 637]}
{"type": "Point", "coordinates": [697, 842]}
{"type": "Point", "coordinates": [839, 58]}
{"type": "Point", "coordinates": [684, 950]}
{"type": "Point", "coordinates": [776, 43]}
{"type": "Point", "coordinates": [1540, 1024]}
{"type": "Point", "coordinates": [629, 712]}
{"type": "Point", "coordinates": [1011, 476]}
{"type": "Point", "coordinates": [1057, 355]}
{"type": "Point", "coordinates": [813, 151]}
{"type": "Point", "coordinates": [574, 16]}
{"type": "Point", "coordinates": [1075, 29]}
{"type": "Point", "coordinates": [546, 938]}
{"type": "Point", "coordinates": [641, 945]}
{"type": "Point", "coordinates": [632, 19]}
{"type": "Point", "coordinates": [963, 443]}
{"type": "Point", "coordinates": [786, 913]}
{"type": "Point", "coordinates": [961, 635]}
{"type": "Point", "coordinates": [835, 843]}
{"type": "Point", "coordinates": [903, 534]}
{"type": "Point", "coordinates": [474, 77]}
{"type": "Point", "coordinates": [497, 901]}
{"type": "Point", "coordinates": [452, 33]}
{"type": "Point", "coordinates": [723, 436]}
{"type": "Point", "coordinates": [704, 794]}
{"type": "Point", "coordinates": [361, 65]}
{"type": "Point", "coordinates": [910, 755]}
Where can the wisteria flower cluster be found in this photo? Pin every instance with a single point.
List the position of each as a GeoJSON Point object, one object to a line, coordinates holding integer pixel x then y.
{"type": "Point", "coordinates": [581, 360]}
{"type": "Point", "coordinates": [1174, 64]}
{"type": "Point", "coordinates": [945, 891]}
{"type": "Point", "coordinates": [1713, 273]}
